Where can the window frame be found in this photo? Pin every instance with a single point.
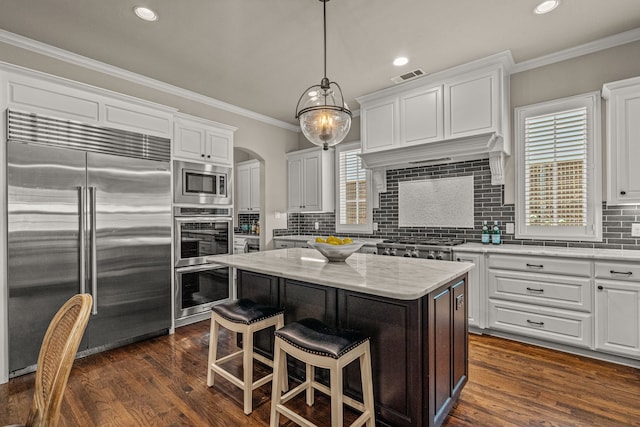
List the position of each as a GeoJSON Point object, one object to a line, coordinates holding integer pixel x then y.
{"type": "Point", "coordinates": [592, 232]}
{"type": "Point", "coordinates": [366, 228]}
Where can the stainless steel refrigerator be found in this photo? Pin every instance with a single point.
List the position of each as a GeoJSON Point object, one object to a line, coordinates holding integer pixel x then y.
{"type": "Point", "coordinates": [80, 220]}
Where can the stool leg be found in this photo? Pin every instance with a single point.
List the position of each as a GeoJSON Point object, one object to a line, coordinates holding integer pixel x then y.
{"type": "Point", "coordinates": [336, 396]}
{"type": "Point", "coordinates": [213, 350]}
{"type": "Point", "coordinates": [367, 385]}
{"type": "Point", "coordinates": [285, 370]}
{"type": "Point", "coordinates": [279, 363]}
{"type": "Point", "coordinates": [247, 369]}
{"type": "Point", "coordinates": [311, 377]}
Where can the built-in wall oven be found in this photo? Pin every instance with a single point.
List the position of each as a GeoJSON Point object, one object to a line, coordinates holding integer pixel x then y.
{"type": "Point", "coordinates": [201, 233]}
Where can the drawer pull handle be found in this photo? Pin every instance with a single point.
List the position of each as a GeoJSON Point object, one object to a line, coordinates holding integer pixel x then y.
{"type": "Point", "coordinates": [535, 265]}
{"type": "Point", "coordinates": [600, 287]}
{"type": "Point", "coordinates": [535, 290]}
{"type": "Point", "coordinates": [531, 322]}
{"type": "Point", "coordinates": [625, 273]}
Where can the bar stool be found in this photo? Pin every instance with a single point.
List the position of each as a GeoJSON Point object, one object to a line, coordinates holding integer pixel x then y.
{"type": "Point", "coordinates": [246, 317]}
{"type": "Point", "coordinates": [315, 344]}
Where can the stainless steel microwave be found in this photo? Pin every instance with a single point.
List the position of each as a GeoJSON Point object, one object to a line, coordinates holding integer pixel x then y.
{"type": "Point", "coordinates": [202, 184]}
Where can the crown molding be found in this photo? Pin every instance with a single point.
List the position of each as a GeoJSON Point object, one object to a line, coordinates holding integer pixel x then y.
{"type": "Point", "coordinates": [576, 51]}
{"type": "Point", "coordinates": [82, 61]}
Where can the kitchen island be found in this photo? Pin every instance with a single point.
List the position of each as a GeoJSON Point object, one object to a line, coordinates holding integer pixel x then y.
{"type": "Point", "coordinates": [413, 309]}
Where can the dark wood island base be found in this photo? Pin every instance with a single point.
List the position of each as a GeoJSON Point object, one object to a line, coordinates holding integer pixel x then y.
{"type": "Point", "coordinates": [419, 346]}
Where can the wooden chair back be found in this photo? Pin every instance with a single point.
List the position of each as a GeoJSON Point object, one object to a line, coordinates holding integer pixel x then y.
{"type": "Point", "coordinates": [57, 353]}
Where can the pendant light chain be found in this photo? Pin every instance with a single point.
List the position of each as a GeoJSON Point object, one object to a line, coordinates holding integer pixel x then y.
{"type": "Point", "coordinates": [324, 13]}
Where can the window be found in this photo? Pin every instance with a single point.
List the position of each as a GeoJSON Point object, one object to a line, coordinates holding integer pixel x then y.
{"type": "Point", "coordinates": [354, 212]}
{"type": "Point", "coordinates": [558, 192]}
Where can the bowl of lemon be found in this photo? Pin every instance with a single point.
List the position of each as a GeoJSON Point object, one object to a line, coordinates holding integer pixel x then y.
{"type": "Point", "coordinates": [334, 248]}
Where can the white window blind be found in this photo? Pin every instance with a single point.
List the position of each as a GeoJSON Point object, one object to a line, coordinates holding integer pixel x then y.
{"type": "Point", "coordinates": [352, 189]}
{"type": "Point", "coordinates": [556, 185]}
{"type": "Point", "coordinates": [558, 169]}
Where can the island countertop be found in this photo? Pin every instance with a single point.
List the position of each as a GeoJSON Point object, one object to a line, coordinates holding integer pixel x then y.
{"type": "Point", "coordinates": [392, 277]}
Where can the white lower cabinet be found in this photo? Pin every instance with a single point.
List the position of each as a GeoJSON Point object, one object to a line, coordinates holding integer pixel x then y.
{"type": "Point", "coordinates": [617, 298]}
{"type": "Point", "coordinates": [548, 298]}
{"type": "Point", "coordinates": [551, 324]}
{"type": "Point", "coordinates": [476, 287]}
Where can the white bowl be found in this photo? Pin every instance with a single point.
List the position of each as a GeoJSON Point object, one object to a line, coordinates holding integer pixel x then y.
{"type": "Point", "coordinates": [336, 253]}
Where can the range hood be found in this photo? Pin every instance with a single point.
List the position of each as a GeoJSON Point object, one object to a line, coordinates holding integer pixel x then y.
{"type": "Point", "coordinates": [483, 146]}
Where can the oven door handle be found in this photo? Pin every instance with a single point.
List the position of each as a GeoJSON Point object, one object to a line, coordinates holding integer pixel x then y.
{"type": "Point", "coordinates": [199, 267]}
{"type": "Point", "coordinates": [203, 219]}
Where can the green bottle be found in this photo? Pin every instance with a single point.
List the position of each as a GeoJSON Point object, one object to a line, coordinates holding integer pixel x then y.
{"type": "Point", "coordinates": [495, 235]}
{"type": "Point", "coordinates": [485, 233]}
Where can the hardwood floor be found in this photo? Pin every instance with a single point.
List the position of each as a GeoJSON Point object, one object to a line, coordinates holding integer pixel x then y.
{"type": "Point", "coordinates": [162, 382]}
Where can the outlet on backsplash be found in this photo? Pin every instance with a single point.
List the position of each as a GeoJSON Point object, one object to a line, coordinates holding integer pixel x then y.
{"type": "Point", "coordinates": [635, 230]}
{"type": "Point", "coordinates": [317, 225]}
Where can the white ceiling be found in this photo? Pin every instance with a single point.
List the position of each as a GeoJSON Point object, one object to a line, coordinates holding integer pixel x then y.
{"type": "Point", "coordinates": [261, 54]}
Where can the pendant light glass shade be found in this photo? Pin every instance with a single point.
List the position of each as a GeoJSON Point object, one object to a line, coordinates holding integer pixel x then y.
{"type": "Point", "coordinates": [324, 117]}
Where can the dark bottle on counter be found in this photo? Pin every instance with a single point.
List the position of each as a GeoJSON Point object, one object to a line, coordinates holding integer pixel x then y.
{"type": "Point", "coordinates": [486, 238]}
{"type": "Point", "coordinates": [495, 234]}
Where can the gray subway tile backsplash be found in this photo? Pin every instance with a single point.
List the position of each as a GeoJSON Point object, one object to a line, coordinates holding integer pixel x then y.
{"type": "Point", "coordinates": [488, 205]}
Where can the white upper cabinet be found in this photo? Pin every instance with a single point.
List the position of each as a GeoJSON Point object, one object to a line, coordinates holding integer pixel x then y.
{"type": "Point", "coordinates": [623, 137]}
{"type": "Point", "coordinates": [248, 186]}
{"type": "Point", "coordinates": [453, 115]}
{"type": "Point", "coordinates": [471, 105]}
{"type": "Point", "coordinates": [50, 96]}
{"type": "Point", "coordinates": [421, 116]}
{"type": "Point", "coordinates": [380, 125]}
{"type": "Point", "coordinates": [310, 177]}
{"type": "Point", "coordinates": [202, 140]}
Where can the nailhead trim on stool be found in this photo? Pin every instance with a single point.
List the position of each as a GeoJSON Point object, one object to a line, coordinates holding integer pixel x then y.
{"type": "Point", "coordinates": [317, 345]}
{"type": "Point", "coordinates": [246, 317]}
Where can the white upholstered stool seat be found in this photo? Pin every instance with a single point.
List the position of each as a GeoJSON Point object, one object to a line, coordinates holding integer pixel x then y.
{"type": "Point", "coordinates": [246, 317]}
{"type": "Point", "coordinates": [313, 343]}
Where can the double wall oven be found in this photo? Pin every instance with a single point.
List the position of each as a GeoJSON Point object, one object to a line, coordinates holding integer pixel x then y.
{"type": "Point", "coordinates": [201, 232]}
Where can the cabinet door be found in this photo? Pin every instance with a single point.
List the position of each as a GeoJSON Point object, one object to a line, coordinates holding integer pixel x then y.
{"type": "Point", "coordinates": [475, 287]}
{"type": "Point", "coordinates": [243, 175]}
{"type": "Point", "coordinates": [471, 105]}
{"type": "Point", "coordinates": [188, 142]}
{"type": "Point", "coordinates": [379, 128]}
{"type": "Point", "coordinates": [618, 317]}
{"type": "Point", "coordinates": [311, 182]}
{"type": "Point", "coordinates": [421, 118]}
{"type": "Point", "coordinates": [459, 328]}
{"type": "Point", "coordinates": [254, 202]}
{"type": "Point", "coordinates": [294, 183]}
{"type": "Point", "coordinates": [218, 148]}
{"type": "Point", "coordinates": [624, 149]}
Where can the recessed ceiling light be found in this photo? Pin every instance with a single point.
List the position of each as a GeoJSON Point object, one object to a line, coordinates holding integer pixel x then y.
{"type": "Point", "coordinates": [400, 61]}
{"type": "Point", "coordinates": [546, 6]}
{"type": "Point", "coordinates": [145, 13]}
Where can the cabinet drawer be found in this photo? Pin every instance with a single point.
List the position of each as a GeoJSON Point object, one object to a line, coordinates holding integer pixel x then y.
{"type": "Point", "coordinates": [283, 244]}
{"type": "Point", "coordinates": [618, 270]}
{"type": "Point", "coordinates": [570, 293]}
{"type": "Point", "coordinates": [556, 325]}
{"type": "Point", "coordinates": [538, 264]}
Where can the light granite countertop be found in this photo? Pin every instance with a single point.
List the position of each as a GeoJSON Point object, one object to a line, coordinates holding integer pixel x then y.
{"type": "Point", "coordinates": [305, 238]}
{"type": "Point", "coordinates": [589, 253]}
{"type": "Point", "coordinates": [393, 277]}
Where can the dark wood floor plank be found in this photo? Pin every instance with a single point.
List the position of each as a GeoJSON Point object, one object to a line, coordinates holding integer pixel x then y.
{"type": "Point", "coordinates": [162, 382]}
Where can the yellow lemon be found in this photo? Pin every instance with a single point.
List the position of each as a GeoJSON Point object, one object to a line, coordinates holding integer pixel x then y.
{"type": "Point", "coordinates": [320, 240]}
{"type": "Point", "coordinates": [347, 240]}
{"type": "Point", "coordinates": [334, 240]}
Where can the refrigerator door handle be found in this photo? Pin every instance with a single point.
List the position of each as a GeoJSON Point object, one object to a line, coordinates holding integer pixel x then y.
{"type": "Point", "coordinates": [94, 252]}
{"type": "Point", "coordinates": [83, 238]}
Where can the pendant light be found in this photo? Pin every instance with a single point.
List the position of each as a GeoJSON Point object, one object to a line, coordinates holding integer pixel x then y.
{"type": "Point", "coordinates": [324, 117]}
